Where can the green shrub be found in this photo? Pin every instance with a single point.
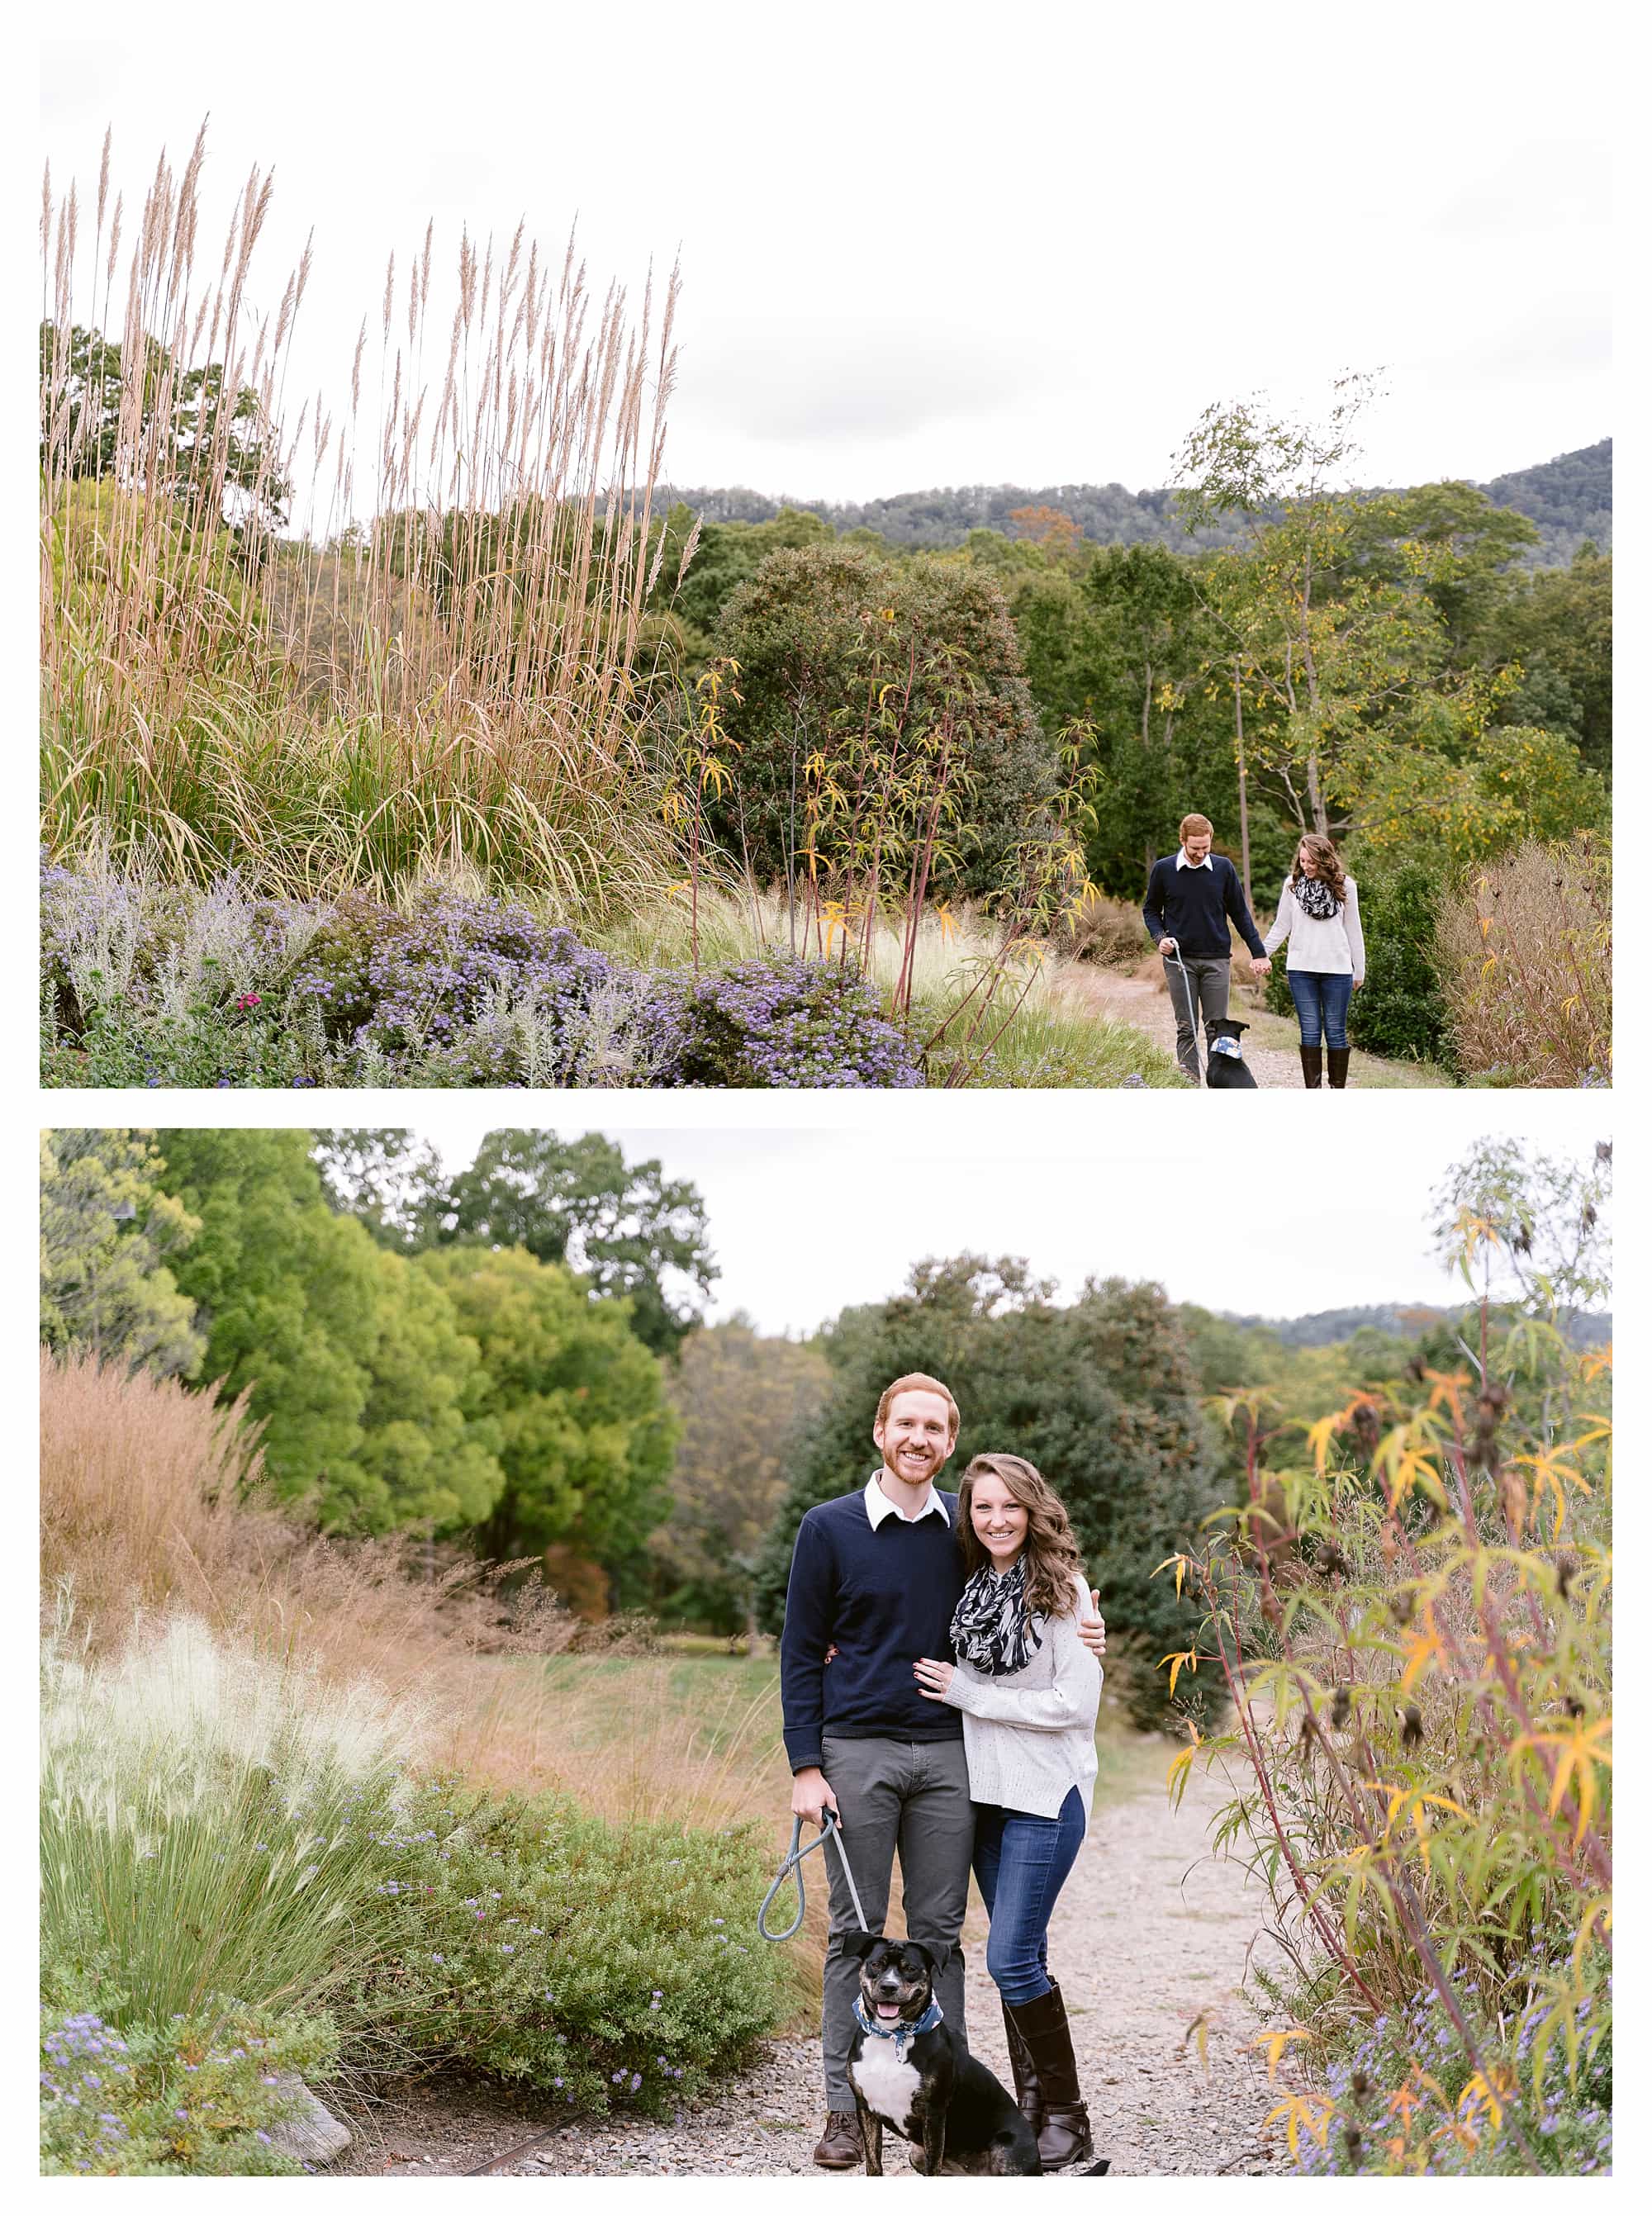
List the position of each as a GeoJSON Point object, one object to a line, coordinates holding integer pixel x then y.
{"type": "Point", "coordinates": [198, 2095]}
{"type": "Point", "coordinates": [1399, 1012]}
{"type": "Point", "coordinates": [610, 1966]}
{"type": "Point", "coordinates": [848, 662]}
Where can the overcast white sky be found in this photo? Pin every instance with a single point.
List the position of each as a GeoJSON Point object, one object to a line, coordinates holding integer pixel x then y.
{"type": "Point", "coordinates": [1311, 1207]}
{"type": "Point", "coordinates": [923, 246]}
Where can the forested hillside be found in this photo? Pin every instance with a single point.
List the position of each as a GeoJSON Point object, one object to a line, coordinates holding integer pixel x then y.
{"type": "Point", "coordinates": [1395, 1320]}
{"type": "Point", "coordinates": [1569, 500]}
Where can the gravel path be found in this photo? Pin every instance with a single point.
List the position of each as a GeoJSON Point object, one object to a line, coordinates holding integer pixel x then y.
{"type": "Point", "coordinates": [1144, 1003]}
{"type": "Point", "coordinates": [1150, 1935]}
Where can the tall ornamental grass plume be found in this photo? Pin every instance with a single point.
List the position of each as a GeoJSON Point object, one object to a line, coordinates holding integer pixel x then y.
{"type": "Point", "coordinates": [333, 640]}
{"type": "Point", "coordinates": [206, 1818]}
{"type": "Point", "coordinates": [152, 1500]}
{"type": "Point", "coordinates": [1411, 1614]}
{"type": "Point", "coordinates": [142, 1487]}
{"type": "Point", "coordinates": [1524, 962]}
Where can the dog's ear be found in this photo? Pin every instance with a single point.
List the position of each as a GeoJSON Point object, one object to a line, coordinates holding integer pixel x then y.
{"type": "Point", "coordinates": [930, 1960]}
{"type": "Point", "coordinates": [859, 1944]}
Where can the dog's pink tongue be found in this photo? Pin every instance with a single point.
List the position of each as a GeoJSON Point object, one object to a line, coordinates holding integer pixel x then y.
{"type": "Point", "coordinates": [887, 2012]}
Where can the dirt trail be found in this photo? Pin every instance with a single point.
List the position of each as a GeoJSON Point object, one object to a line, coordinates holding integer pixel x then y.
{"type": "Point", "coordinates": [1144, 1003]}
{"type": "Point", "coordinates": [1151, 1933]}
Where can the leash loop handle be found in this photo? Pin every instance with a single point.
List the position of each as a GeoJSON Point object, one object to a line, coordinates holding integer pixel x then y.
{"type": "Point", "coordinates": [831, 1828]}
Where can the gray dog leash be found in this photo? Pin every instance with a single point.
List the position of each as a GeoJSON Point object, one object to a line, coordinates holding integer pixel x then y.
{"type": "Point", "coordinates": [831, 1828]}
{"type": "Point", "coordinates": [1193, 1012]}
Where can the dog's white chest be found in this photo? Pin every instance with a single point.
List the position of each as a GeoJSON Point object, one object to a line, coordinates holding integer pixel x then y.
{"type": "Point", "coordinates": [889, 2087]}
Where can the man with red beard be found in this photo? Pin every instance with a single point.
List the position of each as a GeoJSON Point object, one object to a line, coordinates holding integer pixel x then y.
{"type": "Point", "coordinates": [876, 1575]}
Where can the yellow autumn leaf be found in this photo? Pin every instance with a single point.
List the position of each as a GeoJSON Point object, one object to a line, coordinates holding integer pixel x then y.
{"type": "Point", "coordinates": [1276, 2042]}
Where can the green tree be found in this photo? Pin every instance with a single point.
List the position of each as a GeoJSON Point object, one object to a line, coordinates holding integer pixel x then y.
{"type": "Point", "coordinates": [1099, 1395]}
{"type": "Point", "coordinates": [722, 557]}
{"type": "Point", "coordinates": [628, 1229]}
{"type": "Point", "coordinates": [373, 1399]}
{"type": "Point", "coordinates": [577, 1403]}
{"type": "Point", "coordinates": [745, 1403]}
{"type": "Point", "coordinates": [1556, 625]}
{"type": "Point", "coordinates": [391, 1181]}
{"type": "Point", "coordinates": [850, 667]}
{"type": "Point", "coordinates": [191, 433]}
{"type": "Point", "coordinates": [106, 1228]}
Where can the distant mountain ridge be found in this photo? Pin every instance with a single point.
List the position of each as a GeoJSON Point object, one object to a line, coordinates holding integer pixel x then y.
{"type": "Point", "coordinates": [1399, 1319]}
{"type": "Point", "coordinates": [1569, 500]}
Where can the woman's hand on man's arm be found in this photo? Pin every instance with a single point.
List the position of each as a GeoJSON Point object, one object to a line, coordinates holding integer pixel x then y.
{"type": "Point", "coordinates": [1093, 1629]}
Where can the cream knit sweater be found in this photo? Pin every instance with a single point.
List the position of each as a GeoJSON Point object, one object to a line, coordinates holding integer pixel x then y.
{"type": "Point", "coordinates": [1336, 948]}
{"type": "Point", "coordinates": [1029, 1737]}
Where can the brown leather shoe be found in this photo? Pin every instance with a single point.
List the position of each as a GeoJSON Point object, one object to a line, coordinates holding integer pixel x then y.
{"type": "Point", "coordinates": [840, 2146]}
{"type": "Point", "coordinates": [1065, 2139]}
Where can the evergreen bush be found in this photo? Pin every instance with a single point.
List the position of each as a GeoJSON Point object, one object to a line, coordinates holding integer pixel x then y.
{"type": "Point", "coordinates": [608, 1966]}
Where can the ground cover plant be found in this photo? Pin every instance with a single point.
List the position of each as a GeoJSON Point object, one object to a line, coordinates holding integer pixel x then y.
{"type": "Point", "coordinates": [1411, 1614]}
{"type": "Point", "coordinates": [148, 983]}
{"type": "Point", "coordinates": [272, 1746]}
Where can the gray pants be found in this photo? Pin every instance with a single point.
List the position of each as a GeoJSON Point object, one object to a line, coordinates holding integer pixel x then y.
{"type": "Point", "coordinates": [911, 1796]}
{"type": "Point", "coordinates": [1207, 974]}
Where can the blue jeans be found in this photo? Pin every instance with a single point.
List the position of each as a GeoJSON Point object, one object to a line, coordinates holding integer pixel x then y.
{"type": "Point", "coordinates": [1322, 1006]}
{"type": "Point", "coordinates": [1021, 1864]}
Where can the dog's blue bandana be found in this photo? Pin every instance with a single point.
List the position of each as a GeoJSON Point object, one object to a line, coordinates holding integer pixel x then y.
{"type": "Point", "coordinates": [902, 2034]}
{"type": "Point", "coordinates": [1228, 1046]}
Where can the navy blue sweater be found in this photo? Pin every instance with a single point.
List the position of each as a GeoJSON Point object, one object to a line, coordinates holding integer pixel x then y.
{"type": "Point", "coordinates": [1192, 906]}
{"type": "Point", "coordinates": [884, 1599]}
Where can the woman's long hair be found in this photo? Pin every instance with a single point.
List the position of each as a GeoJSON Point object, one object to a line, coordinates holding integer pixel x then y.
{"type": "Point", "coordinates": [1327, 862]}
{"type": "Point", "coordinates": [1051, 1552]}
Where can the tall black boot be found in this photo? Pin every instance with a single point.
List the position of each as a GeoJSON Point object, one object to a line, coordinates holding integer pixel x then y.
{"type": "Point", "coordinates": [1338, 1058]}
{"type": "Point", "coordinates": [1029, 2095]}
{"type": "Point", "coordinates": [1310, 1067]}
{"type": "Point", "coordinates": [1065, 2138]}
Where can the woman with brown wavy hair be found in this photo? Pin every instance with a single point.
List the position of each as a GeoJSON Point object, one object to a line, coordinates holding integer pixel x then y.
{"type": "Point", "coordinates": [1029, 1692]}
{"type": "Point", "coordinates": [1319, 913]}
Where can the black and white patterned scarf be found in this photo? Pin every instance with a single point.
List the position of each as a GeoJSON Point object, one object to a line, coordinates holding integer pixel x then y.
{"type": "Point", "coordinates": [1316, 898]}
{"type": "Point", "coordinates": [992, 1626]}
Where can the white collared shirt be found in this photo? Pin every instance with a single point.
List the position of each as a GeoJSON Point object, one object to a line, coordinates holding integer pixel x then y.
{"type": "Point", "coordinates": [1182, 862]}
{"type": "Point", "coordinates": [879, 1505]}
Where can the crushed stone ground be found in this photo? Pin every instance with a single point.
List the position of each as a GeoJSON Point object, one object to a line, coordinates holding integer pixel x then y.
{"type": "Point", "coordinates": [1151, 1934]}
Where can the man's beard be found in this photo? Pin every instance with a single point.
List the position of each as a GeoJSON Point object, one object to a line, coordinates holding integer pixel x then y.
{"type": "Point", "coordinates": [916, 1476]}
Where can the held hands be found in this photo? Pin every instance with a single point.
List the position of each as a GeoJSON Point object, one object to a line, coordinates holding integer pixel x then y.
{"type": "Point", "coordinates": [1261, 966]}
{"type": "Point", "coordinates": [810, 1794]}
{"type": "Point", "coordinates": [1093, 1629]}
{"type": "Point", "coordinates": [934, 1678]}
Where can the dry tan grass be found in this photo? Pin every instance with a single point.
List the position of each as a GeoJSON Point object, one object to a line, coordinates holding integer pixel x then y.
{"type": "Point", "coordinates": [1525, 965]}
{"type": "Point", "coordinates": [150, 1502]}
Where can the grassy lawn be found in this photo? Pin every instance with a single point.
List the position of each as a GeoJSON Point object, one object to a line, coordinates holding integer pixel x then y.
{"type": "Point", "coordinates": [726, 1707]}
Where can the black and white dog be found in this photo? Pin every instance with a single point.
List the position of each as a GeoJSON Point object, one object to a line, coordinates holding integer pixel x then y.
{"type": "Point", "coordinates": [1224, 1061]}
{"type": "Point", "coordinates": [910, 2070]}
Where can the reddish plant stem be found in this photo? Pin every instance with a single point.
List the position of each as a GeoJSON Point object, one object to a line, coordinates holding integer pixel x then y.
{"type": "Point", "coordinates": [1240, 1698]}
